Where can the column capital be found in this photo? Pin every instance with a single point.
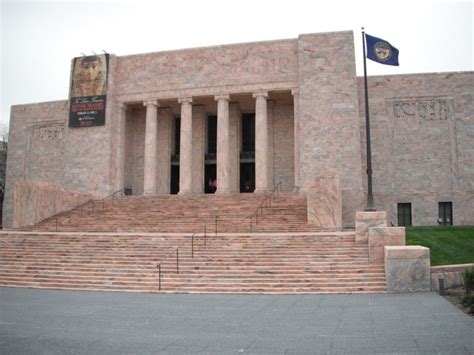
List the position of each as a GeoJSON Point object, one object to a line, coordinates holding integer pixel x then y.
{"type": "Point", "coordinates": [222, 97]}
{"type": "Point", "coordinates": [263, 94]}
{"type": "Point", "coordinates": [185, 100]}
{"type": "Point", "coordinates": [151, 103]}
{"type": "Point", "coordinates": [295, 91]}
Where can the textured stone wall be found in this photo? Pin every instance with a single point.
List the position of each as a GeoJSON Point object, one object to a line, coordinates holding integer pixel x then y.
{"type": "Point", "coordinates": [325, 201]}
{"type": "Point", "coordinates": [283, 143]}
{"type": "Point", "coordinates": [453, 275]}
{"type": "Point", "coordinates": [407, 268]}
{"type": "Point", "coordinates": [35, 201]}
{"type": "Point", "coordinates": [207, 71]}
{"type": "Point", "coordinates": [422, 129]}
{"type": "Point", "coordinates": [43, 148]}
{"type": "Point", "coordinates": [328, 114]}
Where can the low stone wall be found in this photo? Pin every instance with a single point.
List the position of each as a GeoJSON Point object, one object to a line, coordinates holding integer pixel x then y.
{"type": "Point", "coordinates": [407, 268]}
{"type": "Point", "coordinates": [453, 275]}
{"type": "Point", "coordinates": [34, 201]}
{"type": "Point", "coordinates": [324, 201]}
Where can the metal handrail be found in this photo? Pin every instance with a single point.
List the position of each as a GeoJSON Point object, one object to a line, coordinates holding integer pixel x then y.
{"type": "Point", "coordinates": [266, 202]}
{"type": "Point", "coordinates": [80, 206]}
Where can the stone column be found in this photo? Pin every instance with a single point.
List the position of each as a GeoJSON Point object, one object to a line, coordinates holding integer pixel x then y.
{"type": "Point", "coordinates": [234, 141]}
{"type": "Point", "coordinates": [296, 105]}
{"type": "Point", "coordinates": [150, 159]}
{"type": "Point", "coordinates": [164, 151]}
{"type": "Point", "coordinates": [121, 147]}
{"type": "Point", "coordinates": [223, 145]}
{"type": "Point", "coordinates": [262, 183]}
{"type": "Point", "coordinates": [198, 149]}
{"type": "Point", "coordinates": [186, 146]}
{"type": "Point", "coordinates": [271, 143]}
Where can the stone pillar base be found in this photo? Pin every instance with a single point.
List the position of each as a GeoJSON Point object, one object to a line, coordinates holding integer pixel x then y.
{"type": "Point", "coordinates": [365, 220]}
{"type": "Point", "coordinates": [381, 237]}
{"type": "Point", "coordinates": [407, 268]}
{"type": "Point", "coordinates": [324, 201]}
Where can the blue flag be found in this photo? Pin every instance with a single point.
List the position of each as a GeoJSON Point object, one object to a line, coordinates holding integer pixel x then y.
{"type": "Point", "coordinates": [381, 51]}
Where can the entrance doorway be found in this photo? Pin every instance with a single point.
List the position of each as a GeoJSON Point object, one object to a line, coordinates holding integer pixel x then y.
{"type": "Point", "coordinates": [247, 154]}
{"type": "Point", "coordinates": [174, 187]}
{"type": "Point", "coordinates": [210, 176]}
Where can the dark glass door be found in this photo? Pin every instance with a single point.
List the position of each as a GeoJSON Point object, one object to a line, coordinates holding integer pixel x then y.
{"type": "Point", "coordinates": [445, 213]}
{"type": "Point", "coordinates": [404, 214]}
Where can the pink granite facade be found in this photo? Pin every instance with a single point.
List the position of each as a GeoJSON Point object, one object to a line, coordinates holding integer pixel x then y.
{"type": "Point", "coordinates": [308, 105]}
{"type": "Point", "coordinates": [422, 129]}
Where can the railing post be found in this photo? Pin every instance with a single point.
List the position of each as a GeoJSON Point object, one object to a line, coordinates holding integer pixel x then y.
{"type": "Point", "coordinates": [93, 205]}
{"type": "Point", "coordinates": [192, 245]}
{"type": "Point", "coordinates": [81, 210]}
{"type": "Point", "coordinates": [205, 234]}
{"type": "Point", "coordinates": [56, 224]}
{"type": "Point", "coordinates": [159, 277]}
{"type": "Point", "coordinates": [70, 217]}
{"type": "Point", "coordinates": [250, 224]}
{"type": "Point", "coordinates": [216, 226]}
{"type": "Point", "coordinates": [177, 260]}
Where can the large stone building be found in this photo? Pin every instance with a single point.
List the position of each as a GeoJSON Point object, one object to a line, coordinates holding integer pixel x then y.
{"type": "Point", "coordinates": [255, 114]}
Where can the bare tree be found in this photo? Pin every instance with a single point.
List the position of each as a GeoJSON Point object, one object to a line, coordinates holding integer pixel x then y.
{"type": "Point", "coordinates": [4, 131]}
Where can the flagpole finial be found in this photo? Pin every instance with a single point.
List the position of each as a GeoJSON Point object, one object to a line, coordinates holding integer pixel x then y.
{"type": "Point", "coordinates": [362, 29]}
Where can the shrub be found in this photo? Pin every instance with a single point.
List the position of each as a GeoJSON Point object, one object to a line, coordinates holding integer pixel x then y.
{"type": "Point", "coordinates": [468, 299]}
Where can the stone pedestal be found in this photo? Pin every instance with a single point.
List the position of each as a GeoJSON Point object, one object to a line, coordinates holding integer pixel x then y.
{"type": "Point", "coordinates": [325, 201]}
{"type": "Point", "coordinates": [366, 220]}
{"type": "Point", "coordinates": [379, 237]}
{"type": "Point", "coordinates": [407, 268]}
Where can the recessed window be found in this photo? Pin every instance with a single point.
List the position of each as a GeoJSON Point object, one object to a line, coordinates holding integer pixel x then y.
{"type": "Point", "coordinates": [404, 214]}
{"type": "Point", "coordinates": [445, 213]}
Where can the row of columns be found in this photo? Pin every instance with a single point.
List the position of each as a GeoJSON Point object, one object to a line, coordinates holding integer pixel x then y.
{"type": "Point", "coordinates": [226, 164]}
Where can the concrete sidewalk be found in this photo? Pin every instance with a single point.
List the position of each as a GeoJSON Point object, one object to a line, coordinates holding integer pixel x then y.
{"type": "Point", "coordinates": [71, 322]}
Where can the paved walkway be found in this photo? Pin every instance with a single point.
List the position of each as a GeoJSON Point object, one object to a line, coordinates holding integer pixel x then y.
{"type": "Point", "coordinates": [70, 322]}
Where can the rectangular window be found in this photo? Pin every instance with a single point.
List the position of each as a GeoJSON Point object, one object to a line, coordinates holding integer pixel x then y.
{"type": "Point", "coordinates": [445, 213]}
{"type": "Point", "coordinates": [404, 214]}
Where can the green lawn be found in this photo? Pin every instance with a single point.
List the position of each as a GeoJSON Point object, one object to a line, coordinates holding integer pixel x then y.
{"type": "Point", "coordinates": [448, 244]}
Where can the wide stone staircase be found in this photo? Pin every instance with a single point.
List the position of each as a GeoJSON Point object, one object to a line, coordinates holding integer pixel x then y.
{"type": "Point", "coordinates": [281, 263]}
{"type": "Point", "coordinates": [173, 244]}
{"type": "Point", "coordinates": [177, 214]}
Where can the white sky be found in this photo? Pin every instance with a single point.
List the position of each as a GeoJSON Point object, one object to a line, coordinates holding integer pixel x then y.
{"type": "Point", "coordinates": [38, 39]}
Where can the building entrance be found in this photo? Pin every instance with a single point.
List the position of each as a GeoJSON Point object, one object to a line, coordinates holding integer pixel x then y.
{"type": "Point", "coordinates": [247, 153]}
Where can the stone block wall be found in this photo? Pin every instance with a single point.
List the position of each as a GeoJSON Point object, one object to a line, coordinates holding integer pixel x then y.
{"type": "Point", "coordinates": [407, 268]}
{"type": "Point", "coordinates": [324, 201]}
{"type": "Point", "coordinates": [422, 128]}
{"type": "Point", "coordinates": [328, 115]}
{"type": "Point", "coordinates": [380, 237]}
{"type": "Point", "coordinates": [365, 220]}
{"type": "Point", "coordinates": [35, 201]}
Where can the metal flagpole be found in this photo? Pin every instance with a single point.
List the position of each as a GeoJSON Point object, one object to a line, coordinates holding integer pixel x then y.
{"type": "Point", "coordinates": [370, 196]}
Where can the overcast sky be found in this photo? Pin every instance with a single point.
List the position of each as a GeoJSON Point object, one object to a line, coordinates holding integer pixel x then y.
{"type": "Point", "coordinates": [38, 39]}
